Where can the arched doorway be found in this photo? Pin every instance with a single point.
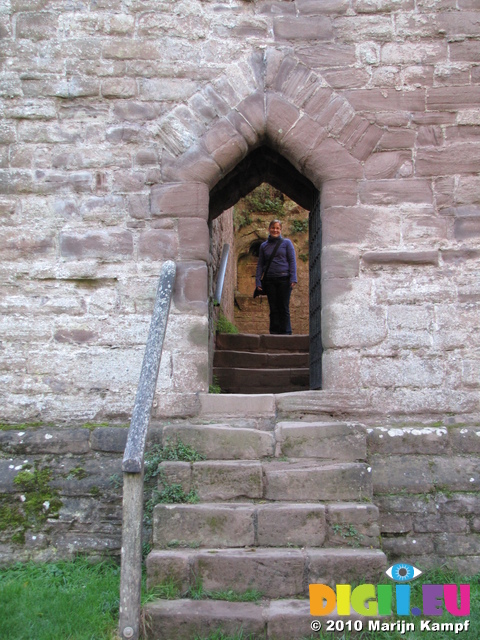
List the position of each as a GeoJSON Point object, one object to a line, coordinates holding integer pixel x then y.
{"type": "Point", "coordinates": [266, 165]}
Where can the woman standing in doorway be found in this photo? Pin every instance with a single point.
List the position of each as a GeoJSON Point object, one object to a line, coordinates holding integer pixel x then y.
{"type": "Point", "coordinates": [277, 276]}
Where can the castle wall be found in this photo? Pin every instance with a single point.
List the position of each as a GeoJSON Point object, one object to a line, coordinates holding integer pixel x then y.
{"type": "Point", "coordinates": [119, 116]}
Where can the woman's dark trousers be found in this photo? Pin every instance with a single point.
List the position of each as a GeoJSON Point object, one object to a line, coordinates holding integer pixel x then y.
{"type": "Point", "coordinates": [278, 293]}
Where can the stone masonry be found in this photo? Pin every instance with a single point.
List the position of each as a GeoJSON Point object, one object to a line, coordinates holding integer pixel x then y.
{"type": "Point", "coordinates": [118, 117]}
{"type": "Point", "coordinates": [128, 126]}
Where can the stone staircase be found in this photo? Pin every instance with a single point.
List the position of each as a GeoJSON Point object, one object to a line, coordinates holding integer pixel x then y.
{"type": "Point", "coordinates": [282, 505]}
{"type": "Point", "coordinates": [245, 363]}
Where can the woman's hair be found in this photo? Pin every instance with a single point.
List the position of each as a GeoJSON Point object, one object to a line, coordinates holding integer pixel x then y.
{"type": "Point", "coordinates": [274, 222]}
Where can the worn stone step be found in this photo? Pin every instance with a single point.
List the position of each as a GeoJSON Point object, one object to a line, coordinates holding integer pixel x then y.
{"type": "Point", "coordinates": [327, 440]}
{"type": "Point", "coordinates": [222, 442]}
{"type": "Point", "coordinates": [263, 342]}
{"type": "Point", "coordinates": [257, 411]}
{"type": "Point", "coordinates": [283, 619]}
{"type": "Point", "coordinates": [249, 360]}
{"type": "Point", "coordinates": [287, 481]}
{"type": "Point", "coordinates": [311, 480]}
{"type": "Point", "coordinates": [276, 573]}
{"type": "Point", "coordinates": [232, 380]}
{"type": "Point", "coordinates": [239, 524]}
{"type": "Point", "coordinates": [265, 525]}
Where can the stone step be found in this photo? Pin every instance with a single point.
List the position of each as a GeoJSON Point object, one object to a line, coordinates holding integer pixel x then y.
{"type": "Point", "coordinates": [286, 481]}
{"type": "Point", "coordinates": [232, 380]}
{"type": "Point", "coordinates": [262, 343]}
{"type": "Point", "coordinates": [249, 360]}
{"type": "Point", "coordinates": [275, 573]}
{"type": "Point", "coordinates": [334, 441]}
{"type": "Point", "coordinates": [283, 619]}
{"type": "Point", "coordinates": [326, 440]}
{"type": "Point", "coordinates": [223, 442]}
{"type": "Point", "coordinates": [265, 525]}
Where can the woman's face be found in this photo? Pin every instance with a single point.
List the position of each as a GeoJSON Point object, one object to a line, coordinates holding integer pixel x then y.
{"type": "Point", "coordinates": [275, 230]}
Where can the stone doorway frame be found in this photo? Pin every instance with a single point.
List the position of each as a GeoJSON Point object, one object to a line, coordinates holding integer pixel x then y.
{"type": "Point", "coordinates": [291, 111]}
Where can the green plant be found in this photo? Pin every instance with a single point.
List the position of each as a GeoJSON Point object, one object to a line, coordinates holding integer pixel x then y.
{"type": "Point", "coordinates": [265, 199]}
{"type": "Point", "coordinates": [299, 226]}
{"type": "Point", "coordinates": [223, 325]}
{"type": "Point", "coordinates": [214, 387]}
{"type": "Point", "coordinates": [36, 600]}
{"type": "Point", "coordinates": [349, 533]}
{"type": "Point", "coordinates": [37, 502]}
{"type": "Point", "coordinates": [303, 257]}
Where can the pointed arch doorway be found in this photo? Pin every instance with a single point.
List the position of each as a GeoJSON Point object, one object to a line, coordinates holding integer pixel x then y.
{"type": "Point", "coordinates": [266, 165]}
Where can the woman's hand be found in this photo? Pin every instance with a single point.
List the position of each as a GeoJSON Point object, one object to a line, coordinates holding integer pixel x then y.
{"type": "Point", "coordinates": [293, 284]}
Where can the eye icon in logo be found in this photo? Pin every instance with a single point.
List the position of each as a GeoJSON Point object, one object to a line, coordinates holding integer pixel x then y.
{"type": "Point", "coordinates": [402, 572]}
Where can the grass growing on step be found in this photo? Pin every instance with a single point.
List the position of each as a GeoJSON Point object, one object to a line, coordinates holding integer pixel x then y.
{"type": "Point", "coordinates": [74, 600]}
{"type": "Point", "coordinates": [220, 635]}
{"type": "Point", "coordinates": [197, 592]}
{"type": "Point", "coordinates": [176, 451]}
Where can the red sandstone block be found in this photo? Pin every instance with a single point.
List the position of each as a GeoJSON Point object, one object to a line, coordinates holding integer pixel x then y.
{"type": "Point", "coordinates": [386, 100]}
{"type": "Point", "coordinates": [274, 572]}
{"type": "Point", "coordinates": [453, 98]}
{"type": "Point", "coordinates": [389, 164]}
{"type": "Point", "coordinates": [466, 23]}
{"type": "Point", "coordinates": [327, 55]}
{"type": "Point", "coordinates": [109, 244]}
{"type": "Point", "coordinates": [302, 28]}
{"type": "Point", "coordinates": [194, 239]}
{"type": "Point", "coordinates": [180, 200]}
{"type": "Point", "coordinates": [468, 51]}
{"type": "Point", "coordinates": [304, 136]}
{"type": "Point", "coordinates": [467, 228]}
{"type": "Point", "coordinates": [280, 116]}
{"type": "Point", "coordinates": [453, 159]}
{"type": "Point", "coordinates": [158, 244]}
{"type": "Point", "coordinates": [367, 143]}
{"type": "Point", "coordinates": [400, 257]}
{"type": "Point", "coordinates": [318, 7]}
{"type": "Point", "coordinates": [191, 286]}
{"type": "Point", "coordinates": [330, 161]}
{"type": "Point", "coordinates": [347, 78]}
{"type": "Point", "coordinates": [124, 49]}
{"type": "Point", "coordinates": [384, 192]}
{"type": "Point", "coordinates": [36, 26]}
{"type": "Point", "coordinates": [339, 192]}
{"type": "Point", "coordinates": [297, 83]}
{"type": "Point", "coordinates": [253, 111]}
{"type": "Point", "coordinates": [225, 145]}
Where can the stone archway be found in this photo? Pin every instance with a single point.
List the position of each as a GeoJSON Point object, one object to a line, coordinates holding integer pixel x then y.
{"type": "Point", "coordinates": [290, 126]}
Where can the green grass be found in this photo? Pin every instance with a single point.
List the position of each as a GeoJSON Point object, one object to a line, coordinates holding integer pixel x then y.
{"type": "Point", "coordinates": [63, 601]}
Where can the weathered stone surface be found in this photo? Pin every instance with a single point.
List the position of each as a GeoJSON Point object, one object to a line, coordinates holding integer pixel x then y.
{"type": "Point", "coordinates": [168, 618]}
{"type": "Point", "coordinates": [274, 572]}
{"type": "Point", "coordinates": [222, 442]}
{"type": "Point", "coordinates": [111, 439]}
{"type": "Point", "coordinates": [107, 245]}
{"type": "Point", "coordinates": [227, 480]}
{"type": "Point", "coordinates": [302, 28]}
{"type": "Point", "coordinates": [180, 200]}
{"type": "Point", "coordinates": [409, 474]}
{"type": "Point", "coordinates": [400, 258]}
{"type": "Point", "coordinates": [290, 481]}
{"type": "Point", "coordinates": [338, 566]}
{"type": "Point", "coordinates": [203, 524]}
{"type": "Point", "coordinates": [291, 524]}
{"type": "Point", "coordinates": [409, 440]}
{"type": "Point", "coordinates": [46, 440]}
{"type": "Point", "coordinates": [164, 566]}
{"type": "Point", "coordinates": [333, 441]}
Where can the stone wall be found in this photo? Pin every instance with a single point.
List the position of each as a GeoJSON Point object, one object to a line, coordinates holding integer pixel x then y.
{"type": "Point", "coordinates": [425, 483]}
{"type": "Point", "coordinates": [119, 116]}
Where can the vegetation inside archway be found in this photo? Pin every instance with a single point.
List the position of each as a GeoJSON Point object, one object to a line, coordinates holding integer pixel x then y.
{"type": "Point", "coordinates": [251, 218]}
